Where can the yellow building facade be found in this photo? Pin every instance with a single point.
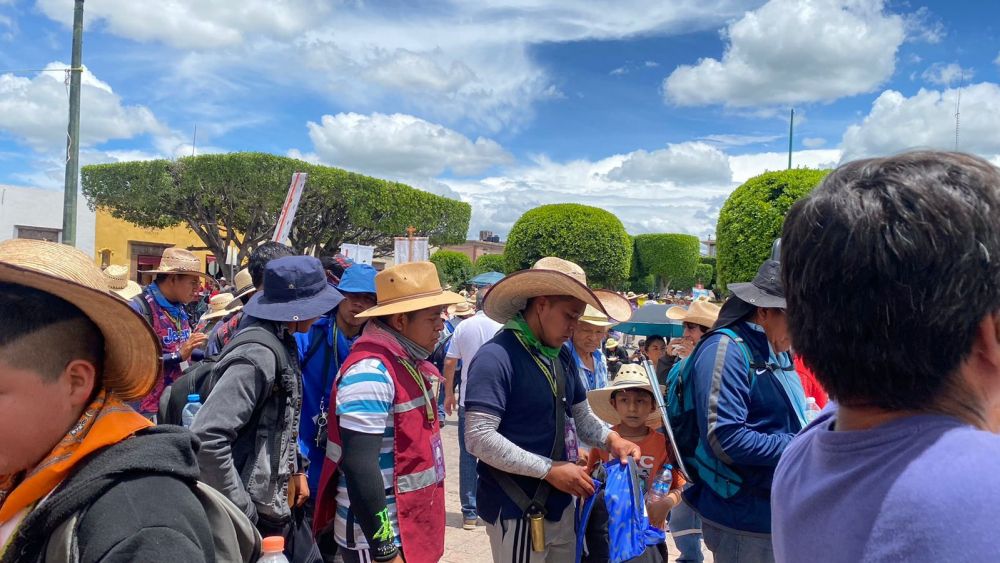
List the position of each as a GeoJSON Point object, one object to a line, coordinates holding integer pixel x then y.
{"type": "Point", "coordinates": [120, 242]}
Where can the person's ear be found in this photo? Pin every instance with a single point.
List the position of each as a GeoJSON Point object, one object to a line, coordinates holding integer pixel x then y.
{"type": "Point", "coordinates": [398, 322]}
{"type": "Point", "coordinates": [80, 377]}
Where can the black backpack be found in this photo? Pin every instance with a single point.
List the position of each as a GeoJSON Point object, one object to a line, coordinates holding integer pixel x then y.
{"type": "Point", "coordinates": [200, 378]}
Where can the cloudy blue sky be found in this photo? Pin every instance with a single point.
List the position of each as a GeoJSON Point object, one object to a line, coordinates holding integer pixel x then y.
{"type": "Point", "coordinates": [654, 110]}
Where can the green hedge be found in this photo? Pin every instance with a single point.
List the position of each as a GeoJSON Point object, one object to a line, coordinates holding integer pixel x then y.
{"type": "Point", "coordinates": [490, 263]}
{"type": "Point", "coordinates": [752, 217]}
{"type": "Point", "coordinates": [454, 268]}
{"type": "Point", "coordinates": [703, 274]}
{"type": "Point", "coordinates": [593, 238]}
{"type": "Point", "coordinates": [671, 258]}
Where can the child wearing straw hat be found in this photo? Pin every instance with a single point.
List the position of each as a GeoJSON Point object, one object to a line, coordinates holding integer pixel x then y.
{"type": "Point", "coordinates": [629, 406]}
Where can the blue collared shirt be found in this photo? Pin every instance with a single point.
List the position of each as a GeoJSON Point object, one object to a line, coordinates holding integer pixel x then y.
{"type": "Point", "coordinates": [597, 378]}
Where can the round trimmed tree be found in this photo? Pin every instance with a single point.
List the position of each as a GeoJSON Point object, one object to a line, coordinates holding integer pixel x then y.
{"type": "Point", "coordinates": [490, 263]}
{"type": "Point", "coordinates": [454, 268]}
{"type": "Point", "coordinates": [592, 237]}
{"type": "Point", "coordinates": [671, 258]}
{"type": "Point", "coordinates": [752, 217]}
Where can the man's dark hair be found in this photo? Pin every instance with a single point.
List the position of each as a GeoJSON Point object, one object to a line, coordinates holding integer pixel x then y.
{"type": "Point", "coordinates": [35, 321]}
{"type": "Point", "coordinates": [264, 254]}
{"type": "Point", "coordinates": [889, 267]}
{"type": "Point", "coordinates": [651, 339]}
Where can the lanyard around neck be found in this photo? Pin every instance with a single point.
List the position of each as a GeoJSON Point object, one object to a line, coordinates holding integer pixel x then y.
{"type": "Point", "coordinates": [429, 404]}
{"type": "Point", "coordinates": [545, 370]}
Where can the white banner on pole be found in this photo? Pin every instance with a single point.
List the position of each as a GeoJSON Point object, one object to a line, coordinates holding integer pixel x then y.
{"type": "Point", "coordinates": [360, 253]}
{"type": "Point", "coordinates": [421, 249]}
{"type": "Point", "coordinates": [291, 206]}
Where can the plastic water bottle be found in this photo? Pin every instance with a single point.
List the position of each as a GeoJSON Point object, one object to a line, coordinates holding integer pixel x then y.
{"type": "Point", "coordinates": [273, 548]}
{"type": "Point", "coordinates": [661, 485]}
{"type": "Point", "coordinates": [812, 409]}
{"type": "Point", "coordinates": [190, 409]}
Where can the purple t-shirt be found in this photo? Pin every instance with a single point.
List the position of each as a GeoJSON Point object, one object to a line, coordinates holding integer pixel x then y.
{"type": "Point", "coordinates": [921, 488]}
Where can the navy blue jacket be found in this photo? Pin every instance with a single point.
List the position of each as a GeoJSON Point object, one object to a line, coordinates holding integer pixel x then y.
{"type": "Point", "coordinates": [746, 424]}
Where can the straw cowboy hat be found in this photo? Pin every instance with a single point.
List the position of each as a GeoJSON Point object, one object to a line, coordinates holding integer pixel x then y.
{"type": "Point", "coordinates": [117, 278]}
{"type": "Point", "coordinates": [701, 312]}
{"type": "Point", "coordinates": [551, 276]}
{"type": "Point", "coordinates": [594, 317]}
{"type": "Point", "coordinates": [463, 309]}
{"type": "Point", "coordinates": [218, 306]}
{"type": "Point", "coordinates": [610, 344]}
{"type": "Point", "coordinates": [630, 376]}
{"type": "Point", "coordinates": [244, 288]}
{"type": "Point", "coordinates": [409, 287]}
{"type": "Point", "coordinates": [131, 350]}
{"type": "Point", "coordinates": [631, 296]}
{"type": "Point", "coordinates": [179, 261]}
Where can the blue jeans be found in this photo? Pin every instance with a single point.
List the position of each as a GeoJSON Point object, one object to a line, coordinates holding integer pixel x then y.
{"type": "Point", "coordinates": [734, 546]}
{"type": "Point", "coordinates": [441, 412]}
{"type": "Point", "coordinates": [685, 527]}
{"type": "Point", "coordinates": [467, 477]}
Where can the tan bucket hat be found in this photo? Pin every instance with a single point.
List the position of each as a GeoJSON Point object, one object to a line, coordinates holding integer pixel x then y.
{"type": "Point", "coordinates": [243, 283]}
{"type": "Point", "coordinates": [409, 287]}
{"type": "Point", "coordinates": [464, 309]}
{"type": "Point", "coordinates": [218, 306]}
{"type": "Point", "coordinates": [551, 276]}
{"type": "Point", "coordinates": [117, 278]}
{"type": "Point", "coordinates": [131, 350]}
{"type": "Point", "coordinates": [630, 376]}
{"type": "Point", "coordinates": [177, 260]}
{"type": "Point", "coordinates": [700, 312]}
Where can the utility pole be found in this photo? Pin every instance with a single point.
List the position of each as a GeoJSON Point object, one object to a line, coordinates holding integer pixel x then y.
{"type": "Point", "coordinates": [791, 129]}
{"type": "Point", "coordinates": [73, 132]}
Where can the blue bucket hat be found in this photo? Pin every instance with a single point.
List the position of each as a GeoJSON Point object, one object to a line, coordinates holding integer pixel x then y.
{"type": "Point", "coordinates": [359, 278]}
{"type": "Point", "coordinates": [295, 289]}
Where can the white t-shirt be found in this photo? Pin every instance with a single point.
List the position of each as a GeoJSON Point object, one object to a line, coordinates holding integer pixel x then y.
{"type": "Point", "coordinates": [469, 337]}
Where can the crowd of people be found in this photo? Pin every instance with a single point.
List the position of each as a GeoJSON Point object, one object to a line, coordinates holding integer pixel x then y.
{"type": "Point", "coordinates": [314, 393]}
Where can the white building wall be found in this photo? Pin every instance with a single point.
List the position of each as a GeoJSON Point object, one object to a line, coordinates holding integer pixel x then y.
{"type": "Point", "coordinates": [40, 208]}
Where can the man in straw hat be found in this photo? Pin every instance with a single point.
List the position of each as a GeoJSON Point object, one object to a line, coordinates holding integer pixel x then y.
{"type": "Point", "coordinates": [162, 303]}
{"type": "Point", "coordinates": [387, 424]}
{"type": "Point", "coordinates": [218, 309]}
{"type": "Point", "coordinates": [249, 424]}
{"type": "Point", "coordinates": [591, 330]}
{"type": "Point", "coordinates": [749, 406]}
{"type": "Point", "coordinates": [322, 351]}
{"type": "Point", "coordinates": [526, 402]}
{"type": "Point", "coordinates": [71, 446]}
{"type": "Point", "coordinates": [469, 337]}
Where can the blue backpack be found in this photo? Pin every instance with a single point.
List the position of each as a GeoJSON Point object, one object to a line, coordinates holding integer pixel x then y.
{"type": "Point", "coordinates": [702, 467]}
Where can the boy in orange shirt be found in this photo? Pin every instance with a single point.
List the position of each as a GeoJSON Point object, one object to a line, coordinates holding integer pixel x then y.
{"type": "Point", "coordinates": [629, 406]}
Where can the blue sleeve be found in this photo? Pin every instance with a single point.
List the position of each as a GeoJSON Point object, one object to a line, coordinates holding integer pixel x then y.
{"type": "Point", "coordinates": [302, 342]}
{"type": "Point", "coordinates": [489, 381]}
{"type": "Point", "coordinates": [722, 391]}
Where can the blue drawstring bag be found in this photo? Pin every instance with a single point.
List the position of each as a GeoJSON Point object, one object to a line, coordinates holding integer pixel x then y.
{"type": "Point", "coordinates": [612, 525]}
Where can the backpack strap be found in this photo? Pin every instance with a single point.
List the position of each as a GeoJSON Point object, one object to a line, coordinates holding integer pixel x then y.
{"type": "Point", "coordinates": [145, 309]}
{"type": "Point", "coordinates": [63, 545]}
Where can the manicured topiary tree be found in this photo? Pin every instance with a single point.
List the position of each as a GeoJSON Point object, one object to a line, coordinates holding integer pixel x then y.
{"type": "Point", "coordinates": [592, 237]}
{"type": "Point", "coordinates": [752, 217]}
{"type": "Point", "coordinates": [454, 268]}
{"type": "Point", "coordinates": [490, 263]}
{"type": "Point", "coordinates": [703, 274]}
{"type": "Point", "coordinates": [710, 261]}
{"type": "Point", "coordinates": [671, 258]}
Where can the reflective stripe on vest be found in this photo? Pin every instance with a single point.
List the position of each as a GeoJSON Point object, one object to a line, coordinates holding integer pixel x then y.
{"type": "Point", "coordinates": [416, 481]}
{"type": "Point", "coordinates": [409, 405]}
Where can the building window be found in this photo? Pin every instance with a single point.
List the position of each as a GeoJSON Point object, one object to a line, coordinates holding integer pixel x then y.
{"type": "Point", "coordinates": [38, 233]}
{"type": "Point", "coordinates": [105, 258]}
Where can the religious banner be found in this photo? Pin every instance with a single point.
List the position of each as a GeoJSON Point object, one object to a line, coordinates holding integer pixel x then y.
{"type": "Point", "coordinates": [411, 249]}
{"type": "Point", "coordinates": [360, 253]}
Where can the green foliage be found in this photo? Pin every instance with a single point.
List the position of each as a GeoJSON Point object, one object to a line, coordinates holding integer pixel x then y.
{"type": "Point", "coordinates": [710, 260]}
{"type": "Point", "coordinates": [454, 268]}
{"type": "Point", "coordinates": [703, 274]}
{"type": "Point", "coordinates": [593, 238]}
{"type": "Point", "coordinates": [643, 285]}
{"type": "Point", "coordinates": [671, 258]}
{"type": "Point", "coordinates": [234, 199]}
{"type": "Point", "coordinates": [490, 263]}
{"type": "Point", "coordinates": [752, 217]}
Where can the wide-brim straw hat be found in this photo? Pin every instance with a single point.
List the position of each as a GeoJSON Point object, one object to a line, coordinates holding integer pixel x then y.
{"type": "Point", "coordinates": [594, 317]}
{"type": "Point", "coordinates": [630, 376]}
{"type": "Point", "coordinates": [243, 283]}
{"type": "Point", "coordinates": [551, 276]}
{"type": "Point", "coordinates": [409, 287]}
{"type": "Point", "coordinates": [117, 278]}
{"type": "Point", "coordinates": [218, 306]}
{"type": "Point", "coordinates": [700, 312]}
{"type": "Point", "coordinates": [464, 309]}
{"type": "Point", "coordinates": [179, 261]}
{"type": "Point", "coordinates": [131, 351]}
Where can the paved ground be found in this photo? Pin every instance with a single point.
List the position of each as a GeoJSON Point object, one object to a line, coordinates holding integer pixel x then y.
{"type": "Point", "coordinates": [472, 546]}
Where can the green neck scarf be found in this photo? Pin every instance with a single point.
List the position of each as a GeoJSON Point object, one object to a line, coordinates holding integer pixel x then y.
{"type": "Point", "coordinates": [521, 328]}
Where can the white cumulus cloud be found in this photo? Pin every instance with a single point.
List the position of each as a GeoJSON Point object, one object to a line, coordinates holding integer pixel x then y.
{"type": "Point", "coordinates": [927, 120]}
{"type": "Point", "coordinates": [947, 74]}
{"type": "Point", "coordinates": [793, 51]}
{"type": "Point", "coordinates": [693, 163]}
{"type": "Point", "coordinates": [400, 146]}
